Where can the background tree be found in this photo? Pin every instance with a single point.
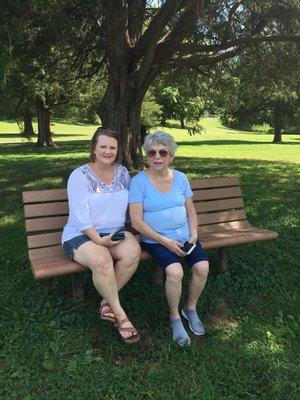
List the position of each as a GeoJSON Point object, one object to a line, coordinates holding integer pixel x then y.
{"type": "Point", "coordinates": [179, 95]}
{"type": "Point", "coordinates": [265, 88]}
{"type": "Point", "coordinates": [142, 41]}
{"type": "Point", "coordinates": [137, 40]}
{"type": "Point", "coordinates": [46, 54]}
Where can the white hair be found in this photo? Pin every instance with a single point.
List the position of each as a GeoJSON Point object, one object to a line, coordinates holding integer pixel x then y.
{"type": "Point", "coordinates": [160, 137]}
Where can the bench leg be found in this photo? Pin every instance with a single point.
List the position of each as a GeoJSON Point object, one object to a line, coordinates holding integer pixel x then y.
{"type": "Point", "coordinates": [158, 276]}
{"type": "Point", "coordinates": [77, 286]}
{"type": "Point", "coordinates": [222, 259]}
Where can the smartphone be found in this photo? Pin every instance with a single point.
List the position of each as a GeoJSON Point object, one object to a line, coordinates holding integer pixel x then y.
{"type": "Point", "coordinates": [188, 247]}
{"type": "Point", "coordinates": [118, 235]}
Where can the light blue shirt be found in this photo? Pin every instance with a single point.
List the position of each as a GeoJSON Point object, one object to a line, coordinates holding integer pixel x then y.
{"type": "Point", "coordinates": [164, 212]}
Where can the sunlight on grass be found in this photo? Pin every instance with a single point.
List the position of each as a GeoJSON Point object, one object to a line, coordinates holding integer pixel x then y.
{"type": "Point", "coordinates": [266, 346]}
{"type": "Point", "coordinates": [216, 141]}
{"type": "Point", "coordinates": [45, 182]}
{"type": "Point", "coordinates": [9, 220]}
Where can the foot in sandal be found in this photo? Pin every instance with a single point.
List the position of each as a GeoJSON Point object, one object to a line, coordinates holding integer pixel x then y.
{"type": "Point", "coordinates": [127, 331]}
{"type": "Point", "coordinates": [106, 313]}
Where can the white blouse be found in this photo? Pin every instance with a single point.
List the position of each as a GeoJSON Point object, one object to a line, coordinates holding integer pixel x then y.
{"type": "Point", "coordinates": [95, 204]}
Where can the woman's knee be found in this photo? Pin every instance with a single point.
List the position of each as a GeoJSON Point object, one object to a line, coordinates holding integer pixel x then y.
{"type": "Point", "coordinates": [129, 249]}
{"type": "Point", "coordinates": [174, 272]}
{"type": "Point", "coordinates": [102, 262]}
{"type": "Point", "coordinates": [201, 269]}
{"type": "Point", "coordinates": [133, 249]}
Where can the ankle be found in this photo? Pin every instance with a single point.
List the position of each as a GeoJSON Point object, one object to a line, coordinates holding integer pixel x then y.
{"type": "Point", "coordinates": [174, 315]}
{"type": "Point", "coordinates": [120, 315]}
{"type": "Point", "coordinates": [190, 307]}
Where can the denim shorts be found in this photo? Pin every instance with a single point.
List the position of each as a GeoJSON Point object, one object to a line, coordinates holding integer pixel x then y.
{"type": "Point", "coordinates": [165, 257]}
{"type": "Point", "coordinates": [73, 244]}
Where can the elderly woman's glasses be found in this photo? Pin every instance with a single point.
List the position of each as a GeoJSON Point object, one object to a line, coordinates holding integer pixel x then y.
{"type": "Point", "coordinates": [152, 153]}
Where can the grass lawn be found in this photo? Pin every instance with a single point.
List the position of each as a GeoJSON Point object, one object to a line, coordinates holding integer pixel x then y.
{"type": "Point", "coordinates": [52, 349]}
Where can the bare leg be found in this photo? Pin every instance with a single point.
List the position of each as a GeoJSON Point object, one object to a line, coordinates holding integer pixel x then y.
{"type": "Point", "coordinates": [199, 276]}
{"type": "Point", "coordinates": [99, 260]}
{"type": "Point", "coordinates": [173, 287]}
{"type": "Point", "coordinates": [197, 283]}
{"type": "Point", "coordinates": [127, 255]}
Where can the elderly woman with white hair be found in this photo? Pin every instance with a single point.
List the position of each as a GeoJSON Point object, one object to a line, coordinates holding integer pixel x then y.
{"type": "Point", "coordinates": [162, 210]}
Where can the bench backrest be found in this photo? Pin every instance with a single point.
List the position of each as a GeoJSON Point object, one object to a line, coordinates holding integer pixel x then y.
{"type": "Point", "coordinates": [218, 202]}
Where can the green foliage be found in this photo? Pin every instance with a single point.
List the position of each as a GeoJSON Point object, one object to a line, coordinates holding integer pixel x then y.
{"type": "Point", "coordinates": [45, 56]}
{"type": "Point", "coordinates": [179, 96]}
{"type": "Point", "coordinates": [263, 89]}
{"type": "Point", "coordinates": [151, 113]}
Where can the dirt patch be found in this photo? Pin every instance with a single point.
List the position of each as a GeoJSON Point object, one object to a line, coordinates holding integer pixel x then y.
{"type": "Point", "coordinates": [222, 316]}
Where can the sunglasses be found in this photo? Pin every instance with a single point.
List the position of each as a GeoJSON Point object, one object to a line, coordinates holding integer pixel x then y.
{"type": "Point", "coordinates": [163, 153]}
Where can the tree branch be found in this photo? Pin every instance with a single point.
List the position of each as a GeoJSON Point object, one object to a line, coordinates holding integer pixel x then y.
{"type": "Point", "coordinates": [136, 15]}
{"type": "Point", "coordinates": [185, 49]}
{"type": "Point", "coordinates": [183, 26]}
{"type": "Point", "coordinates": [155, 29]}
{"type": "Point", "coordinates": [116, 31]}
{"type": "Point", "coordinates": [195, 61]}
{"type": "Point", "coordinates": [227, 28]}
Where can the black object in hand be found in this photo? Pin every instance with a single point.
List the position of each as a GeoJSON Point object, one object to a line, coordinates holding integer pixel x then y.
{"type": "Point", "coordinates": [188, 247]}
{"type": "Point", "coordinates": [118, 235]}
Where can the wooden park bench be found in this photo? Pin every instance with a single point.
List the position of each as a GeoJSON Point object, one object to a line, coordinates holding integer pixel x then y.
{"type": "Point", "coordinates": [221, 214]}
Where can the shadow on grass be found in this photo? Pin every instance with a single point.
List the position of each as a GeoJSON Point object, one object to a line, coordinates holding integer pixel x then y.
{"type": "Point", "coordinates": [14, 135]}
{"type": "Point", "coordinates": [72, 122]}
{"type": "Point", "coordinates": [69, 135]}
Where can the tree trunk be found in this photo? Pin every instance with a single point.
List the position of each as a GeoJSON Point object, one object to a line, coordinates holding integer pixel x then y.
{"type": "Point", "coordinates": [121, 111]}
{"type": "Point", "coordinates": [277, 126]}
{"type": "Point", "coordinates": [182, 122]}
{"type": "Point", "coordinates": [28, 128]}
{"type": "Point", "coordinates": [44, 133]}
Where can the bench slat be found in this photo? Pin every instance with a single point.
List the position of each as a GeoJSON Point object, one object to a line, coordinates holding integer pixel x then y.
{"type": "Point", "coordinates": [38, 196]}
{"type": "Point", "coordinates": [45, 252]}
{"type": "Point", "coordinates": [207, 229]}
{"type": "Point", "coordinates": [41, 210]}
{"type": "Point", "coordinates": [217, 205]}
{"type": "Point", "coordinates": [215, 194]}
{"type": "Point", "coordinates": [44, 240]}
{"type": "Point", "coordinates": [224, 216]}
{"type": "Point", "coordinates": [45, 224]}
{"type": "Point", "coordinates": [214, 182]}
{"type": "Point", "coordinates": [236, 237]}
{"type": "Point", "coordinates": [55, 266]}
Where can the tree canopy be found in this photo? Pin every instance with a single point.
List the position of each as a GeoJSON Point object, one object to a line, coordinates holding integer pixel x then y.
{"type": "Point", "coordinates": [135, 41]}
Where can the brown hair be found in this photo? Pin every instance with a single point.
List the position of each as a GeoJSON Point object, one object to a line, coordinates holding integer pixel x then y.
{"type": "Point", "coordinates": [99, 132]}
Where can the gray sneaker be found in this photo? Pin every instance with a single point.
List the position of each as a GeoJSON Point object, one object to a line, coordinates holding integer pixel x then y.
{"type": "Point", "coordinates": [195, 324]}
{"type": "Point", "coordinates": [179, 334]}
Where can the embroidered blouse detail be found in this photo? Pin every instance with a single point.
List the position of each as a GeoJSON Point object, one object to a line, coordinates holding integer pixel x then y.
{"type": "Point", "coordinates": [120, 181]}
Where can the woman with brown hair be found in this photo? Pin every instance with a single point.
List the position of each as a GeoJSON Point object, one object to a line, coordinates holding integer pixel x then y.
{"type": "Point", "coordinates": [94, 235]}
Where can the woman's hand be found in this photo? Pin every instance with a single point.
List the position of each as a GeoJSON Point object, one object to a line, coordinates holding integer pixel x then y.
{"type": "Point", "coordinates": [106, 241]}
{"type": "Point", "coordinates": [193, 239]}
{"type": "Point", "coordinates": [174, 246]}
